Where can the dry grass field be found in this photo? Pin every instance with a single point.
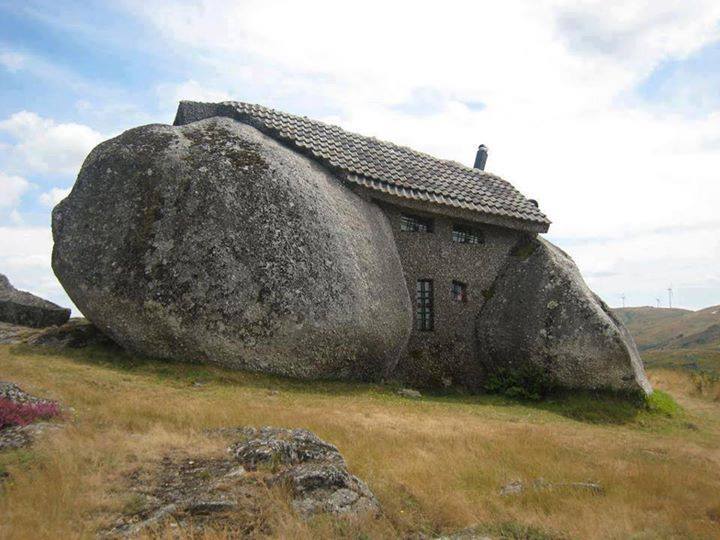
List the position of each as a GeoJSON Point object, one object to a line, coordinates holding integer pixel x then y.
{"type": "Point", "coordinates": [436, 464]}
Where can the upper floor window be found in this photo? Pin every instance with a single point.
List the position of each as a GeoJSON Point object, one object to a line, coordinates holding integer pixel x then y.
{"type": "Point", "coordinates": [413, 223]}
{"type": "Point", "coordinates": [459, 291]}
{"type": "Point", "coordinates": [464, 234]}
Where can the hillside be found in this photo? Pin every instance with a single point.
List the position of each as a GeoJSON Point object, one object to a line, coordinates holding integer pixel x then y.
{"type": "Point", "coordinates": [439, 464]}
{"type": "Point", "coordinates": [673, 329]}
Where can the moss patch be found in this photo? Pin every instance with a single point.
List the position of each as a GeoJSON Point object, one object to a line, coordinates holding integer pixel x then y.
{"type": "Point", "coordinates": [524, 248]}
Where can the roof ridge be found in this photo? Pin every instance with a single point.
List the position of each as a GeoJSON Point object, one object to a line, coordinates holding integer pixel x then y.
{"type": "Point", "coordinates": [372, 137]}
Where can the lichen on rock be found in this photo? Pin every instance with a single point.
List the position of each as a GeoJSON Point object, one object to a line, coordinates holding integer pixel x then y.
{"type": "Point", "coordinates": [543, 320]}
{"type": "Point", "coordinates": [212, 242]}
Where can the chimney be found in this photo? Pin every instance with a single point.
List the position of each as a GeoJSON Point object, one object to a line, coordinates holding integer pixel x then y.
{"type": "Point", "coordinates": [481, 157]}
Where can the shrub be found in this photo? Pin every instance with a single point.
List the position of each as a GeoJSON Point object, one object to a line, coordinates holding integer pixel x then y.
{"type": "Point", "coordinates": [706, 384]}
{"type": "Point", "coordinates": [22, 414]}
{"type": "Point", "coordinates": [526, 382]}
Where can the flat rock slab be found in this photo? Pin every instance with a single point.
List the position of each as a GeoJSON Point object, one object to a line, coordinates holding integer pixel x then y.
{"type": "Point", "coordinates": [25, 309]}
{"type": "Point", "coordinates": [312, 469]}
{"type": "Point", "coordinates": [74, 334]}
{"type": "Point", "coordinates": [14, 333]}
{"type": "Point", "coordinates": [230, 493]}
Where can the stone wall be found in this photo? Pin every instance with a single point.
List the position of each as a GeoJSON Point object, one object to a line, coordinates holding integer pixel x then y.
{"type": "Point", "coordinates": [447, 353]}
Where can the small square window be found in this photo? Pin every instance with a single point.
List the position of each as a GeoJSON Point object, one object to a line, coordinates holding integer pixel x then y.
{"type": "Point", "coordinates": [464, 234]}
{"type": "Point", "coordinates": [459, 291]}
{"type": "Point", "coordinates": [411, 223]}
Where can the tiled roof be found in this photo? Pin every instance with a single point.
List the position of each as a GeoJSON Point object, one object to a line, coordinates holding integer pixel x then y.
{"type": "Point", "coordinates": [383, 166]}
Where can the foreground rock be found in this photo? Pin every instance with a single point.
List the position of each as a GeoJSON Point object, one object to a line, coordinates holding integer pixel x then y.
{"type": "Point", "coordinates": [74, 334]}
{"type": "Point", "coordinates": [230, 494]}
{"type": "Point", "coordinates": [312, 469]}
{"type": "Point", "coordinates": [543, 325]}
{"type": "Point", "coordinates": [25, 309]}
{"type": "Point", "coordinates": [14, 333]}
{"type": "Point", "coordinates": [212, 242]}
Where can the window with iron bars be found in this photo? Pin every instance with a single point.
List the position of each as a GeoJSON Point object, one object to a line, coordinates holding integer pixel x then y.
{"type": "Point", "coordinates": [411, 223]}
{"type": "Point", "coordinates": [464, 234]}
{"type": "Point", "coordinates": [424, 305]}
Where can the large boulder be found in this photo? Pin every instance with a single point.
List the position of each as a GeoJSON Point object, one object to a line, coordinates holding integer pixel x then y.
{"type": "Point", "coordinates": [25, 309]}
{"type": "Point", "coordinates": [212, 242]}
{"type": "Point", "coordinates": [543, 324]}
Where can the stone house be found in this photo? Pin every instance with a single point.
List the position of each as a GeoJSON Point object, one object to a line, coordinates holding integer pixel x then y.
{"type": "Point", "coordinates": [254, 239]}
{"type": "Point", "coordinates": [454, 226]}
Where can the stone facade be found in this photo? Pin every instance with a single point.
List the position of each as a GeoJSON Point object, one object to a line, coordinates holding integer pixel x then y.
{"type": "Point", "coordinates": [446, 354]}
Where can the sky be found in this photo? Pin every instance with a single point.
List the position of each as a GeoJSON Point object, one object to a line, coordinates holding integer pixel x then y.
{"type": "Point", "coordinates": [607, 112]}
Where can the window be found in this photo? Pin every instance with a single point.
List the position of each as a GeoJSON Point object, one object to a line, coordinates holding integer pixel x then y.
{"type": "Point", "coordinates": [459, 291]}
{"type": "Point", "coordinates": [465, 234]}
{"type": "Point", "coordinates": [411, 223]}
{"type": "Point", "coordinates": [424, 305]}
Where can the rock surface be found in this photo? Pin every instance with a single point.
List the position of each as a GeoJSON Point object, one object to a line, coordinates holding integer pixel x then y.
{"type": "Point", "coordinates": [14, 333]}
{"type": "Point", "coordinates": [543, 323]}
{"type": "Point", "coordinates": [212, 242]}
{"type": "Point", "coordinates": [74, 334]}
{"type": "Point", "coordinates": [26, 309]}
{"type": "Point", "coordinates": [198, 494]}
{"type": "Point", "coordinates": [312, 469]}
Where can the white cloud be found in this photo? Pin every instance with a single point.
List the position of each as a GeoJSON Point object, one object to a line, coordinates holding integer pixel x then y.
{"type": "Point", "coordinates": [42, 145]}
{"type": "Point", "coordinates": [12, 189]}
{"type": "Point", "coordinates": [685, 259]}
{"type": "Point", "coordinates": [25, 258]}
{"type": "Point", "coordinates": [557, 81]}
{"type": "Point", "coordinates": [12, 61]}
{"type": "Point", "coordinates": [50, 198]}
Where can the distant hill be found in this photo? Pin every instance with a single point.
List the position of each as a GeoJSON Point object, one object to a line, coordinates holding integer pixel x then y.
{"type": "Point", "coordinates": [673, 329]}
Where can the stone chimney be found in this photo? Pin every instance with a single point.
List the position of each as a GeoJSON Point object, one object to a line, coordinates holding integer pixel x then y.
{"type": "Point", "coordinates": [481, 157]}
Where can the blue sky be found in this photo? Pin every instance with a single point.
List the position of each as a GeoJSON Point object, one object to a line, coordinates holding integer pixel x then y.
{"type": "Point", "coordinates": [607, 112]}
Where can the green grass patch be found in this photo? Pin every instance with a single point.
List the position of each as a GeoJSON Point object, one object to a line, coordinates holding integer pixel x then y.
{"type": "Point", "coordinates": [662, 403]}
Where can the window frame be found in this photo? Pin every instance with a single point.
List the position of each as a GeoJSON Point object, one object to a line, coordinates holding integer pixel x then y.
{"type": "Point", "coordinates": [424, 305]}
{"type": "Point", "coordinates": [419, 224]}
{"type": "Point", "coordinates": [462, 233]}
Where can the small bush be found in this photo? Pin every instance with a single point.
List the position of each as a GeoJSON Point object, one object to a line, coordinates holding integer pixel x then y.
{"type": "Point", "coordinates": [22, 414]}
{"type": "Point", "coordinates": [526, 382]}
{"type": "Point", "coordinates": [706, 384]}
